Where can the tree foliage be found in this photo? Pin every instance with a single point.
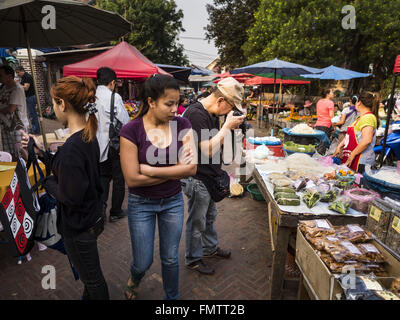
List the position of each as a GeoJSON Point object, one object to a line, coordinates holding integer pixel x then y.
{"type": "Point", "coordinates": [229, 20]}
{"type": "Point", "coordinates": [310, 32]}
{"type": "Point", "coordinates": [156, 25]}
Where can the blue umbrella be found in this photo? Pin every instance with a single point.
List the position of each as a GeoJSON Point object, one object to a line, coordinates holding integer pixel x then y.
{"type": "Point", "coordinates": [280, 67]}
{"type": "Point", "coordinates": [276, 66]}
{"type": "Point", "coordinates": [336, 73]}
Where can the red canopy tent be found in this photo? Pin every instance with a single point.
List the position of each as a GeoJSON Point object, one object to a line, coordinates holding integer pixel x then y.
{"type": "Point", "coordinates": [239, 75]}
{"type": "Point", "coordinates": [265, 81]}
{"type": "Point", "coordinates": [127, 62]}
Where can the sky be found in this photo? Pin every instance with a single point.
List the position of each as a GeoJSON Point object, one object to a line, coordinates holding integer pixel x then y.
{"type": "Point", "coordinates": [199, 51]}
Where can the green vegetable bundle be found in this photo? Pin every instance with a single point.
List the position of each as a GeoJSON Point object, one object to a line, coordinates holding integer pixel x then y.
{"type": "Point", "coordinates": [340, 205]}
{"type": "Point", "coordinates": [311, 198]}
{"type": "Point", "coordinates": [329, 196]}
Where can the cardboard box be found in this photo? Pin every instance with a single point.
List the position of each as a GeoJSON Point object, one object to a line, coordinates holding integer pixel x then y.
{"type": "Point", "coordinates": [319, 279]}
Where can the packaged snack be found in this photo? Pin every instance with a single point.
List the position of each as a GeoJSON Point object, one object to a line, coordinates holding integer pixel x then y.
{"type": "Point", "coordinates": [353, 233]}
{"type": "Point", "coordinates": [343, 251]}
{"type": "Point", "coordinates": [276, 176]}
{"type": "Point", "coordinates": [320, 242]}
{"type": "Point", "coordinates": [340, 205]}
{"type": "Point", "coordinates": [330, 176]}
{"type": "Point", "coordinates": [370, 253]}
{"type": "Point", "coordinates": [300, 184]}
{"type": "Point", "coordinates": [284, 189]}
{"type": "Point", "coordinates": [316, 228]}
{"type": "Point", "coordinates": [282, 182]}
{"type": "Point", "coordinates": [311, 198]}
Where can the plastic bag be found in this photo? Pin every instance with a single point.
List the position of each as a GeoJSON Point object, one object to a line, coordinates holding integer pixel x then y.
{"type": "Point", "coordinates": [340, 205]}
{"type": "Point", "coordinates": [316, 228]}
{"type": "Point", "coordinates": [331, 195]}
{"type": "Point", "coordinates": [371, 254]}
{"type": "Point", "coordinates": [262, 152]}
{"type": "Point", "coordinates": [360, 198]}
{"type": "Point", "coordinates": [343, 251]}
{"type": "Point", "coordinates": [311, 198]}
{"type": "Point", "coordinates": [353, 233]}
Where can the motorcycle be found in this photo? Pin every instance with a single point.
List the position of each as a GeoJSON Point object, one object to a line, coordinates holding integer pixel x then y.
{"type": "Point", "coordinates": [392, 149]}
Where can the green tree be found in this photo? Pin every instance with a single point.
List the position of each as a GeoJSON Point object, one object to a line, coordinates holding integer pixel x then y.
{"type": "Point", "coordinates": [228, 22]}
{"type": "Point", "coordinates": [310, 32]}
{"type": "Point", "coordinates": [156, 25]}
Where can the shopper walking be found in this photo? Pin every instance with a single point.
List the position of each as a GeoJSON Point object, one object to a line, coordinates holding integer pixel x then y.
{"type": "Point", "coordinates": [150, 145]}
{"type": "Point", "coordinates": [110, 165]}
{"type": "Point", "coordinates": [77, 181]}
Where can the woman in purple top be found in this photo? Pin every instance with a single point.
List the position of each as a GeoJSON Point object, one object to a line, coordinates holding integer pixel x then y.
{"type": "Point", "coordinates": [157, 150]}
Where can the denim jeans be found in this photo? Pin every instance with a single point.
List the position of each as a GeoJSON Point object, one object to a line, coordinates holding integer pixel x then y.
{"type": "Point", "coordinates": [84, 255]}
{"type": "Point", "coordinates": [32, 114]}
{"type": "Point", "coordinates": [201, 236]}
{"type": "Point", "coordinates": [142, 215]}
{"type": "Point", "coordinates": [111, 170]}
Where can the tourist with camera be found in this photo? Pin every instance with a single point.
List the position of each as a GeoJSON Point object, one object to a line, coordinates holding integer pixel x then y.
{"type": "Point", "coordinates": [211, 183]}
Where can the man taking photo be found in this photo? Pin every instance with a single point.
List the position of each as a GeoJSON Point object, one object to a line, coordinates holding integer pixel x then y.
{"type": "Point", "coordinates": [211, 183]}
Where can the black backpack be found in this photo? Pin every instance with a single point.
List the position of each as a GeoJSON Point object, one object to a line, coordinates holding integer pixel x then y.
{"type": "Point", "coordinates": [114, 128]}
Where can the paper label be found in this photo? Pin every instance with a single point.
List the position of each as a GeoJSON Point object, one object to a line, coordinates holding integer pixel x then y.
{"type": "Point", "coordinates": [369, 247]}
{"type": "Point", "coordinates": [371, 284]}
{"type": "Point", "coordinates": [354, 228]}
{"type": "Point", "coordinates": [396, 224]}
{"type": "Point", "coordinates": [333, 239]}
{"type": "Point", "coordinates": [351, 247]}
{"type": "Point", "coordinates": [375, 213]}
{"type": "Point", "coordinates": [323, 224]}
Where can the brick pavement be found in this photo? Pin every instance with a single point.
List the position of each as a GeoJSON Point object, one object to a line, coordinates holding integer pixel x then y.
{"type": "Point", "coordinates": [242, 227]}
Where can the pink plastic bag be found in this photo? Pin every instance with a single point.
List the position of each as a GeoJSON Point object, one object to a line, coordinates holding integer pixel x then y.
{"type": "Point", "coordinates": [360, 198]}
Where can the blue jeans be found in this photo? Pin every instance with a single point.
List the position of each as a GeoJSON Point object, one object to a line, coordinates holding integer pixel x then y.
{"type": "Point", "coordinates": [32, 114]}
{"type": "Point", "coordinates": [201, 236]}
{"type": "Point", "coordinates": [142, 214]}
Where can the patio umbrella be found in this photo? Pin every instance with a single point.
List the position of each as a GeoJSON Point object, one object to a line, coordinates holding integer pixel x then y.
{"type": "Point", "coordinates": [336, 73]}
{"type": "Point", "coordinates": [276, 66]}
{"type": "Point", "coordinates": [63, 23]}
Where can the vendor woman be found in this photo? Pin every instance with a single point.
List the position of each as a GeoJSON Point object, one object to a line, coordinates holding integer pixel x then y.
{"type": "Point", "coordinates": [325, 112]}
{"type": "Point", "coordinates": [358, 145]}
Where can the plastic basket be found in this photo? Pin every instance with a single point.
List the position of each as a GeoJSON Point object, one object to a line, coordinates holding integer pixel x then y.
{"type": "Point", "coordinates": [255, 193]}
{"type": "Point", "coordinates": [382, 187]}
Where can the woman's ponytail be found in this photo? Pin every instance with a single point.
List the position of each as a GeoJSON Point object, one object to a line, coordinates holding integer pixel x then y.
{"type": "Point", "coordinates": [80, 95]}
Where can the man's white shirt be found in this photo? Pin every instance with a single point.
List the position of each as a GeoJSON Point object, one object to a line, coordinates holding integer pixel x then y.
{"type": "Point", "coordinates": [103, 102]}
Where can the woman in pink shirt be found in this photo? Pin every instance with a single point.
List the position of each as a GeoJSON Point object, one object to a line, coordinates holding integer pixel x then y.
{"type": "Point", "coordinates": [325, 112]}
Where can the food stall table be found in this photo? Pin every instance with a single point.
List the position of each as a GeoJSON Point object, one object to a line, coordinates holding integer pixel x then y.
{"type": "Point", "coordinates": [282, 224]}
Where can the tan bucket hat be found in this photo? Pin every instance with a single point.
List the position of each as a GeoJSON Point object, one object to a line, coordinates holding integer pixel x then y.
{"type": "Point", "coordinates": [232, 90]}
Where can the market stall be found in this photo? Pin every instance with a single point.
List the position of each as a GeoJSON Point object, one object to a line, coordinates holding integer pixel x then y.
{"type": "Point", "coordinates": [303, 186]}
